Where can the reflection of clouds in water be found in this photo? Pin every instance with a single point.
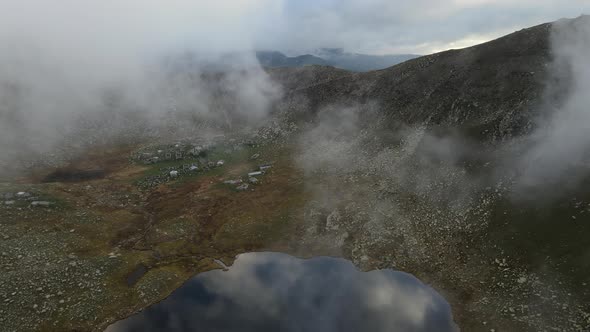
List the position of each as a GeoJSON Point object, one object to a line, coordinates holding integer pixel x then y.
{"type": "Point", "coordinates": [277, 292]}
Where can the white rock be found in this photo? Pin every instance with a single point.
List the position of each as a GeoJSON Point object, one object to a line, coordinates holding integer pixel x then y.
{"type": "Point", "coordinates": [41, 203]}
{"type": "Point", "coordinates": [243, 187]}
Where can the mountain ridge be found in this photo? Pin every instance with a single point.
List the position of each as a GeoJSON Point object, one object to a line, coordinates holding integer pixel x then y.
{"type": "Point", "coordinates": [474, 87]}
{"type": "Point", "coordinates": [348, 61]}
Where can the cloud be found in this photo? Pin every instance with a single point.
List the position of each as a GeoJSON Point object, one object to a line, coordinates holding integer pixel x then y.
{"type": "Point", "coordinates": [424, 26]}
{"type": "Point", "coordinates": [557, 153]}
{"type": "Point", "coordinates": [119, 65]}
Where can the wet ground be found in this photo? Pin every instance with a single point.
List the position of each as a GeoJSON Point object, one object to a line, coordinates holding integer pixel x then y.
{"type": "Point", "coordinates": [74, 175]}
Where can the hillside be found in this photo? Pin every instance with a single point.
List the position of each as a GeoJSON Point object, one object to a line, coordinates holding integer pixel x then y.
{"type": "Point", "coordinates": [477, 156]}
{"type": "Point", "coordinates": [490, 88]}
{"type": "Point", "coordinates": [332, 57]}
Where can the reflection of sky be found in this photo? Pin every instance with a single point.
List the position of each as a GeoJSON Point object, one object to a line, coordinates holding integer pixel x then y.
{"type": "Point", "coordinates": [277, 292]}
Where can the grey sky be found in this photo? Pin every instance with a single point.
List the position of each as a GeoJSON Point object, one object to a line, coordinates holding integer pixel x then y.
{"type": "Point", "coordinates": [124, 28]}
{"type": "Point", "coordinates": [419, 26]}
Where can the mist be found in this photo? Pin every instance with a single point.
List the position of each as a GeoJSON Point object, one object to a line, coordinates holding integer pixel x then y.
{"type": "Point", "coordinates": [390, 193]}
{"type": "Point", "coordinates": [556, 154]}
{"type": "Point", "coordinates": [88, 73]}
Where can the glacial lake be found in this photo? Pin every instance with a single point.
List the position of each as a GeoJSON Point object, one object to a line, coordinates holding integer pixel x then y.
{"type": "Point", "coordinates": [277, 292]}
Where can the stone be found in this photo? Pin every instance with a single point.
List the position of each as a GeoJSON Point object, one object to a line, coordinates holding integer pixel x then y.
{"type": "Point", "coordinates": [243, 187]}
{"type": "Point", "coordinates": [41, 203]}
{"type": "Point", "coordinates": [333, 221]}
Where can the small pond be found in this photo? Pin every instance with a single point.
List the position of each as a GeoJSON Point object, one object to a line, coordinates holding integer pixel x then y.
{"type": "Point", "coordinates": [277, 292]}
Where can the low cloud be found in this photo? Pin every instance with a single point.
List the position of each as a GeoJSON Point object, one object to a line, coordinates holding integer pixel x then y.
{"type": "Point", "coordinates": [78, 73]}
{"type": "Point", "coordinates": [557, 154]}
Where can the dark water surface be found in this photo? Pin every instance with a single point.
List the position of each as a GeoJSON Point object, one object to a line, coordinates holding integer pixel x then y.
{"type": "Point", "coordinates": [277, 292]}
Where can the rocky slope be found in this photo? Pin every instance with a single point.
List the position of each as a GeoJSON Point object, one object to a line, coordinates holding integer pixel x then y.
{"type": "Point", "coordinates": [422, 166]}
{"type": "Point", "coordinates": [491, 88]}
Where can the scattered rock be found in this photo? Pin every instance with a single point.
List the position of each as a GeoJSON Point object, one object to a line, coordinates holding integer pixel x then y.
{"type": "Point", "coordinates": [41, 203]}
{"type": "Point", "coordinates": [243, 187]}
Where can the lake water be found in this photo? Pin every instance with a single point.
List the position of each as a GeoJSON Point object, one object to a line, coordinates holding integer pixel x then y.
{"type": "Point", "coordinates": [277, 292]}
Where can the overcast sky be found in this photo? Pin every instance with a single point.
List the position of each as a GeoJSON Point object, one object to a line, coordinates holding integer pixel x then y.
{"type": "Point", "coordinates": [418, 26]}
{"type": "Point", "coordinates": [369, 26]}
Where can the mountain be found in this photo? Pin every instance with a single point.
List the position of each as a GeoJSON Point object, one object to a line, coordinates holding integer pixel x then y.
{"type": "Point", "coordinates": [361, 62]}
{"type": "Point", "coordinates": [469, 169]}
{"type": "Point", "coordinates": [332, 57]}
{"type": "Point", "coordinates": [490, 89]}
{"type": "Point", "coordinates": [273, 59]}
{"type": "Point", "coordinates": [491, 136]}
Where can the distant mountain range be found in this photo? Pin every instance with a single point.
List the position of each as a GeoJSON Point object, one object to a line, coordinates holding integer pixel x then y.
{"type": "Point", "coordinates": [335, 57]}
